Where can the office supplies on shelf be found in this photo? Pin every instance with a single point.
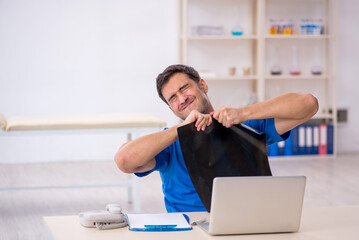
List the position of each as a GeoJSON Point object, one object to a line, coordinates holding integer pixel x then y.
{"type": "Point", "coordinates": [246, 71]}
{"type": "Point", "coordinates": [301, 140]}
{"type": "Point", "coordinates": [323, 128]}
{"type": "Point", "coordinates": [315, 139]}
{"type": "Point", "coordinates": [316, 69]}
{"type": "Point", "coordinates": [232, 71]}
{"type": "Point", "coordinates": [288, 146]}
{"type": "Point", "coordinates": [237, 29]}
{"type": "Point", "coordinates": [330, 139]}
{"type": "Point", "coordinates": [207, 30]}
{"type": "Point", "coordinates": [294, 69]}
{"type": "Point", "coordinates": [154, 222]}
{"type": "Point", "coordinates": [276, 68]}
{"type": "Point", "coordinates": [306, 139]}
{"type": "Point", "coordinates": [311, 26]}
{"type": "Point", "coordinates": [280, 148]}
{"type": "Point", "coordinates": [281, 26]}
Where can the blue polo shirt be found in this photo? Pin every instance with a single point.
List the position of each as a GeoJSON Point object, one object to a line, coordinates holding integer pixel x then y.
{"type": "Point", "coordinates": [179, 192]}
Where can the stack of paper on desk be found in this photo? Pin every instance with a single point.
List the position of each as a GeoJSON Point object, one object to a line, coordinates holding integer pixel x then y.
{"type": "Point", "coordinates": [158, 222]}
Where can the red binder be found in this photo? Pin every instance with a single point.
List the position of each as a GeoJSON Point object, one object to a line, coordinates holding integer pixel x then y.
{"type": "Point", "coordinates": [323, 145]}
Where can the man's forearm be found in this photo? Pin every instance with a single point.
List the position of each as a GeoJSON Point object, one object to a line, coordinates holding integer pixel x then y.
{"type": "Point", "coordinates": [287, 106]}
{"type": "Point", "coordinates": [138, 155]}
{"type": "Point", "coordinates": [288, 111]}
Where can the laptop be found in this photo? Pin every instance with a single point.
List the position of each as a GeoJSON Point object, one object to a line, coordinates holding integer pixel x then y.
{"type": "Point", "coordinates": [253, 205]}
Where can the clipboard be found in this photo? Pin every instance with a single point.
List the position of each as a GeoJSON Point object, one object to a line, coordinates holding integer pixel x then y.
{"type": "Point", "coordinates": [158, 222]}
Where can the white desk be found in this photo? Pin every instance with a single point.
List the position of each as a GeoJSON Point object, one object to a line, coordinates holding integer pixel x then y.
{"type": "Point", "coordinates": [320, 223]}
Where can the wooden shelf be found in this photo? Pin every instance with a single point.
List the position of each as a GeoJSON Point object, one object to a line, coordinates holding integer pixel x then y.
{"type": "Point", "coordinates": [323, 116]}
{"type": "Point", "coordinates": [231, 78]}
{"type": "Point", "coordinates": [300, 157]}
{"type": "Point", "coordinates": [224, 37]}
{"type": "Point", "coordinates": [297, 36]}
{"type": "Point", "coordinates": [296, 77]}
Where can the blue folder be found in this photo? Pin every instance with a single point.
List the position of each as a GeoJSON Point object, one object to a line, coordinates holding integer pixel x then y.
{"type": "Point", "coordinates": [330, 140]}
{"type": "Point", "coordinates": [301, 140]}
{"type": "Point", "coordinates": [295, 139]}
{"type": "Point", "coordinates": [288, 145]}
{"type": "Point", "coordinates": [309, 139]}
{"type": "Point", "coordinates": [281, 148]}
{"type": "Point", "coordinates": [316, 139]}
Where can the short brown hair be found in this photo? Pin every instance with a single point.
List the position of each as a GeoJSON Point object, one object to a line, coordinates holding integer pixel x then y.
{"type": "Point", "coordinates": [164, 77]}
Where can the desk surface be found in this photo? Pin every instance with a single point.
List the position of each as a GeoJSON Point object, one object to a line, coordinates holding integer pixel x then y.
{"type": "Point", "coordinates": [322, 223]}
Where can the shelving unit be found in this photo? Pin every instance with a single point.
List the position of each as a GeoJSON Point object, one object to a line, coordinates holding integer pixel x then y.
{"type": "Point", "coordinates": [213, 55]}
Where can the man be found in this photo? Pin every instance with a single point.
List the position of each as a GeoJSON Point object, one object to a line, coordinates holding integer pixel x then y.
{"type": "Point", "coordinates": [182, 89]}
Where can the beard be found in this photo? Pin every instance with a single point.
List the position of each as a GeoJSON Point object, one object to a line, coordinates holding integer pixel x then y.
{"type": "Point", "coordinates": [203, 106]}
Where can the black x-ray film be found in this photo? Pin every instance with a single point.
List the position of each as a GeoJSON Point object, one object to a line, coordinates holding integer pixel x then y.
{"type": "Point", "coordinates": [219, 152]}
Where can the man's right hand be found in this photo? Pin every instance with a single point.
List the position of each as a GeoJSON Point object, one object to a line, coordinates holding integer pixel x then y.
{"type": "Point", "coordinates": [201, 120]}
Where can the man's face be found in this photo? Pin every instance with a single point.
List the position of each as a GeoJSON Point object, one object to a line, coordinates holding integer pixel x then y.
{"type": "Point", "coordinates": [184, 95]}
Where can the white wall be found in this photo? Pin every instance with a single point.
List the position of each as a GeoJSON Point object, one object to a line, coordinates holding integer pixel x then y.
{"type": "Point", "coordinates": [348, 80]}
{"type": "Point", "coordinates": [81, 57]}
{"type": "Point", "coordinates": [84, 57]}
